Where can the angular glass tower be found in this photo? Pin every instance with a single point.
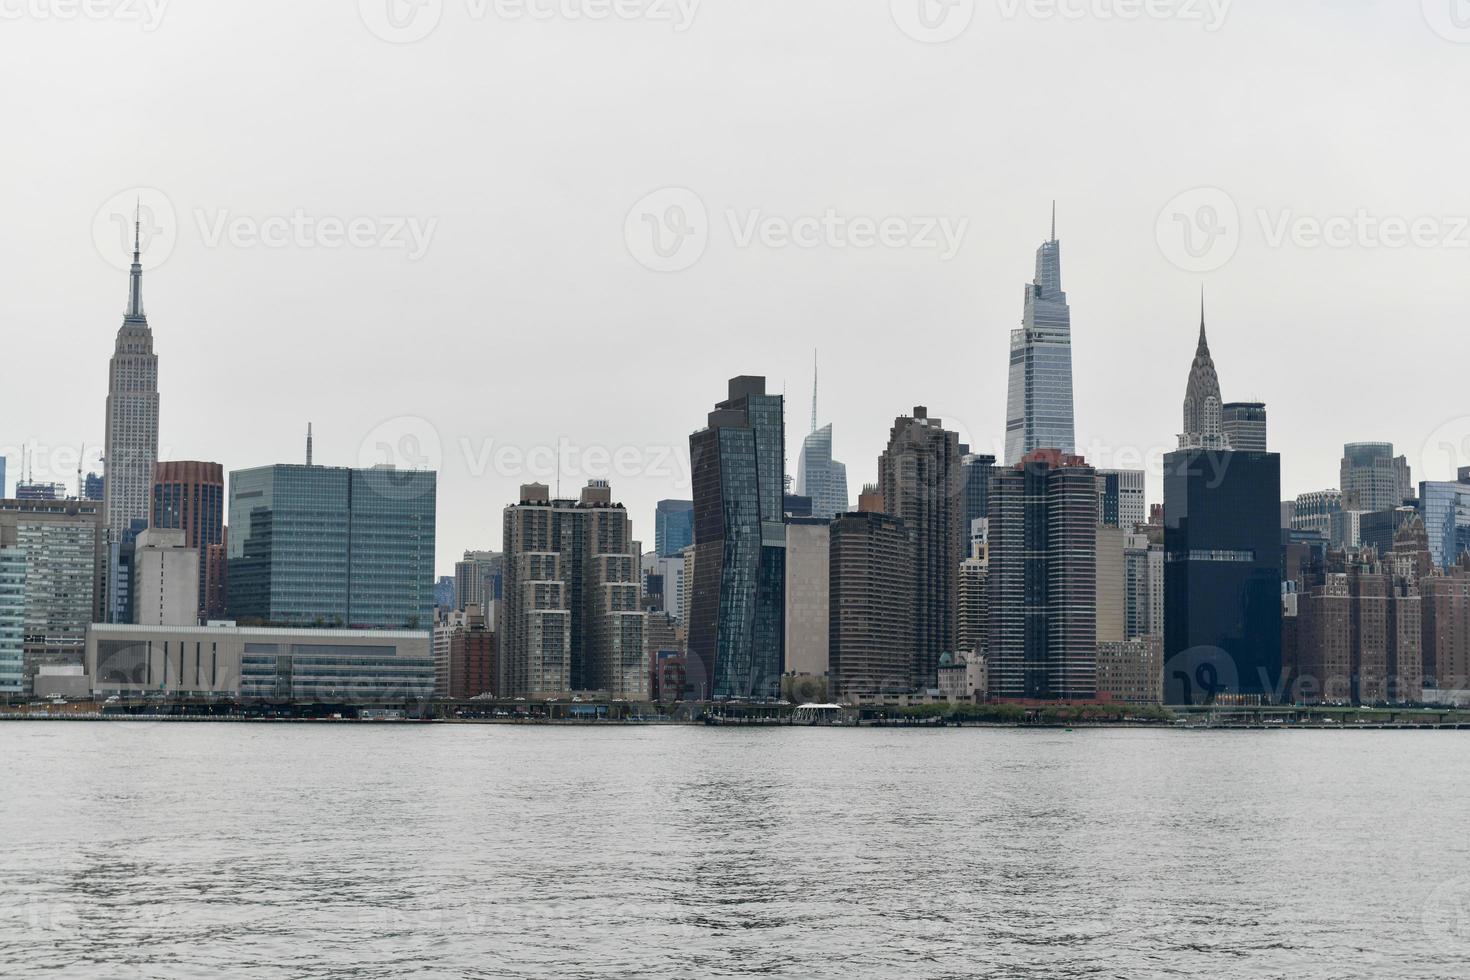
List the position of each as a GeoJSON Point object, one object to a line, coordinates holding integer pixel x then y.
{"type": "Point", "coordinates": [1039, 400]}
{"type": "Point", "coordinates": [737, 616]}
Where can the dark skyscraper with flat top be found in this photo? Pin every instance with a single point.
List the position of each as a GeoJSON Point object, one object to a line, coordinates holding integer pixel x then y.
{"type": "Point", "coordinates": [737, 625]}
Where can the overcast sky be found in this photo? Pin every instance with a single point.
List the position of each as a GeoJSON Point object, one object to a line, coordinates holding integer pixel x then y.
{"type": "Point", "coordinates": [465, 232]}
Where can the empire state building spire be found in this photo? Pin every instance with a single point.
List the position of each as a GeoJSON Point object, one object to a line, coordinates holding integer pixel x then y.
{"type": "Point", "coordinates": [135, 284]}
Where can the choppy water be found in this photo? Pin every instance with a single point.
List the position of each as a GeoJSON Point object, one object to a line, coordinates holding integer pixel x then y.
{"type": "Point", "coordinates": [236, 850]}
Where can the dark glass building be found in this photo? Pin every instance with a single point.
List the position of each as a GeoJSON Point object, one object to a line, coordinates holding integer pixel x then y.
{"type": "Point", "coordinates": [736, 630]}
{"type": "Point", "coordinates": [673, 527]}
{"type": "Point", "coordinates": [977, 470]}
{"type": "Point", "coordinates": [1222, 576]}
{"type": "Point", "coordinates": [330, 546]}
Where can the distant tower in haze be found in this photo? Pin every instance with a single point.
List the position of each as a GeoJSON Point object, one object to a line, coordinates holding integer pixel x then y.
{"type": "Point", "coordinates": [1039, 401]}
{"type": "Point", "coordinates": [818, 475]}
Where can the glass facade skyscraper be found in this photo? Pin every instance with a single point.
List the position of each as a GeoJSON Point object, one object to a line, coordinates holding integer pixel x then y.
{"type": "Point", "coordinates": [820, 477]}
{"type": "Point", "coordinates": [1445, 508]}
{"type": "Point", "coordinates": [1222, 576]}
{"type": "Point", "coordinates": [1039, 400]}
{"type": "Point", "coordinates": [673, 527]}
{"type": "Point", "coordinates": [736, 634]}
{"type": "Point", "coordinates": [330, 546]}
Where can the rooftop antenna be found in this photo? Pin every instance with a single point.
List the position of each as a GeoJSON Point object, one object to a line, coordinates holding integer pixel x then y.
{"type": "Point", "coordinates": [308, 444]}
{"type": "Point", "coordinates": [80, 492]}
{"type": "Point", "coordinates": [1053, 219]}
{"type": "Point", "coordinates": [814, 389]}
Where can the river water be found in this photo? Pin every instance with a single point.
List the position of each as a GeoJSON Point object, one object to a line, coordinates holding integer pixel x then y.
{"type": "Point", "coordinates": [172, 850]}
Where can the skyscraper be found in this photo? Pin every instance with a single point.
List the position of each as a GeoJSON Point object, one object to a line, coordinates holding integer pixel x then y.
{"type": "Point", "coordinates": [331, 546]}
{"type": "Point", "coordinates": [919, 476]}
{"type": "Point", "coordinates": [1039, 401]}
{"type": "Point", "coordinates": [132, 412]}
{"type": "Point", "coordinates": [871, 626]}
{"type": "Point", "coordinates": [673, 527]}
{"type": "Point", "coordinates": [1445, 507]}
{"type": "Point", "coordinates": [1245, 425]}
{"type": "Point", "coordinates": [12, 621]}
{"type": "Point", "coordinates": [1222, 557]}
{"type": "Point", "coordinates": [61, 542]}
{"type": "Point", "coordinates": [1121, 494]}
{"type": "Point", "coordinates": [818, 475]}
{"type": "Point", "coordinates": [190, 497]}
{"type": "Point", "coordinates": [1043, 579]}
{"type": "Point", "coordinates": [739, 590]}
{"type": "Point", "coordinates": [572, 618]}
{"type": "Point", "coordinates": [1373, 478]}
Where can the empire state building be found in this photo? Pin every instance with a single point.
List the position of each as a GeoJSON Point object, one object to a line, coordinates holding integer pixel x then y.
{"type": "Point", "coordinates": [132, 413]}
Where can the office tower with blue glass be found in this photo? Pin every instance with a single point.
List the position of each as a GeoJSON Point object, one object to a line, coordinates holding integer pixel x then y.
{"type": "Point", "coordinates": [1445, 508]}
{"type": "Point", "coordinates": [331, 546]}
{"type": "Point", "coordinates": [739, 590]}
{"type": "Point", "coordinates": [1039, 399]}
{"type": "Point", "coordinates": [1121, 498]}
{"type": "Point", "coordinates": [1222, 558]}
{"type": "Point", "coordinates": [673, 527]}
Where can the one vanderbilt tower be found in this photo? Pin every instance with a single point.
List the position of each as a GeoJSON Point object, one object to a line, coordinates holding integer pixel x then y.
{"type": "Point", "coordinates": [1039, 403]}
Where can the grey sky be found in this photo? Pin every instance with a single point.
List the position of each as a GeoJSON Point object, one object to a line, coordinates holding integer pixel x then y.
{"type": "Point", "coordinates": [511, 151]}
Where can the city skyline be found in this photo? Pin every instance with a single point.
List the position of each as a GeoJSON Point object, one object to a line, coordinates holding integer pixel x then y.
{"type": "Point", "coordinates": [230, 310]}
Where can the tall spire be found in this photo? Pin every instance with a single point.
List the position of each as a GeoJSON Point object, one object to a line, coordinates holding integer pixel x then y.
{"type": "Point", "coordinates": [135, 286]}
{"type": "Point", "coordinates": [1053, 220]}
{"type": "Point", "coordinates": [1204, 345]}
{"type": "Point", "coordinates": [814, 389]}
{"type": "Point", "coordinates": [308, 444]}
